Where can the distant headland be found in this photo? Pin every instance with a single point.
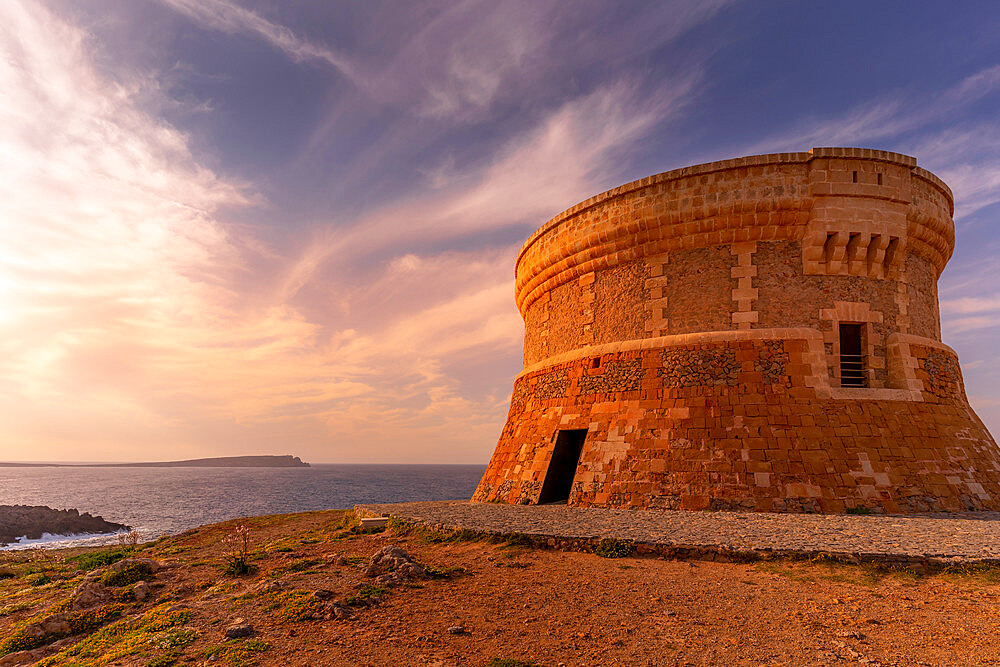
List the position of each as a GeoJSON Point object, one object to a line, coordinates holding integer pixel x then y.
{"type": "Point", "coordinates": [285, 461]}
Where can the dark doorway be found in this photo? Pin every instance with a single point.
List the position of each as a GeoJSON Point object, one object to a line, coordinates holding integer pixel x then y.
{"type": "Point", "coordinates": [562, 466]}
{"type": "Point", "coordinates": [852, 360]}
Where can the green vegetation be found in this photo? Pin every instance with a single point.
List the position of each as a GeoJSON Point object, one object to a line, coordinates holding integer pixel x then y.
{"type": "Point", "coordinates": [509, 662]}
{"type": "Point", "coordinates": [78, 622]}
{"type": "Point", "coordinates": [444, 572]}
{"type": "Point", "coordinates": [127, 574]}
{"type": "Point", "coordinates": [302, 564]}
{"type": "Point", "coordinates": [40, 579]}
{"type": "Point", "coordinates": [95, 559]}
{"type": "Point", "coordinates": [237, 558]}
{"type": "Point", "coordinates": [860, 509]}
{"type": "Point", "coordinates": [366, 595]}
{"type": "Point", "coordinates": [609, 547]}
{"type": "Point", "coordinates": [154, 631]}
{"type": "Point", "coordinates": [236, 652]}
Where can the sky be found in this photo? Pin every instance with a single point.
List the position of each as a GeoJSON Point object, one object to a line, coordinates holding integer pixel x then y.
{"type": "Point", "coordinates": [237, 227]}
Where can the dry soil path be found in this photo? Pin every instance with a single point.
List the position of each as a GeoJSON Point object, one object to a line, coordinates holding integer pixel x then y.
{"type": "Point", "coordinates": [951, 537]}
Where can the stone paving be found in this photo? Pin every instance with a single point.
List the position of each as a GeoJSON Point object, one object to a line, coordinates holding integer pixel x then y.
{"type": "Point", "coordinates": [967, 537]}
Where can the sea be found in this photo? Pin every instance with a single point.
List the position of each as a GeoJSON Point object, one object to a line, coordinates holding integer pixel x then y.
{"type": "Point", "coordinates": [163, 501]}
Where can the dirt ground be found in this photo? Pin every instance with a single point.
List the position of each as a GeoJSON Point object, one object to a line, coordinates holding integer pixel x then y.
{"type": "Point", "coordinates": [514, 605]}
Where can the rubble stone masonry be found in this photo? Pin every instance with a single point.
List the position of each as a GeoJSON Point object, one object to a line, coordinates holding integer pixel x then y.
{"type": "Point", "coordinates": [689, 322]}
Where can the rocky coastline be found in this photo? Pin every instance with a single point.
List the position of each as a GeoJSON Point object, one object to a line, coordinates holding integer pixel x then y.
{"type": "Point", "coordinates": [33, 521]}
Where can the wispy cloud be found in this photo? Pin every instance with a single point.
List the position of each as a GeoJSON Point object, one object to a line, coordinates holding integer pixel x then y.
{"type": "Point", "coordinates": [890, 116]}
{"type": "Point", "coordinates": [966, 305]}
{"type": "Point", "coordinates": [229, 17]}
{"type": "Point", "coordinates": [127, 314]}
{"type": "Point", "coordinates": [461, 60]}
{"type": "Point", "coordinates": [570, 154]}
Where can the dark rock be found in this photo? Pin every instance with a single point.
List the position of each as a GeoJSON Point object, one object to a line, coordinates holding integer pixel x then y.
{"type": "Point", "coordinates": [323, 594]}
{"type": "Point", "coordinates": [239, 629]}
{"type": "Point", "coordinates": [32, 521]}
{"type": "Point", "coordinates": [456, 630]}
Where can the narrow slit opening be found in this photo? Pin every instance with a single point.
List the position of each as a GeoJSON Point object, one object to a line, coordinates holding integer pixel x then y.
{"type": "Point", "coordinates": [854, 176]}
{"type": "Point", "coordinates": [852, 358]}
{"type": "Point", "coordinates": [872, 258]}
{"type": "Point", "coordinates": [890, 254]}
{"type": "Point", "coordinates": [828, 247]}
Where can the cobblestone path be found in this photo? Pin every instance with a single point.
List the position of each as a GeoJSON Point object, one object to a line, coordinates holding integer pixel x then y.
{"type": "Point", "coordinates": [958, 537]}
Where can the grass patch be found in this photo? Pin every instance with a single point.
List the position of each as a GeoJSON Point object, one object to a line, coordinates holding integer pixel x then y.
{"type": "Point", "coordinates": [444, 572]}
{"type": "Point", "coordinates": [79, 622]}
{"type": "Point", "coordinates": [509, 662]}
{"type": "Point", "coordinates": [238, 567]}
{"type": "Point", "coordinates": [95, 559]}
{"type": "Point", "coordinates": [297, 605]}
{"type": "Point", "coordinates": [860, 509]}
{"type": "Point", "coordinates": [40, 579]}
{"type": "Point", "coordinates": [129, 573]}
{"type": "Point", "coordinates": [301, 565]}
{"type": "Point", "coordinates": [609, 547]}
{"type": "Point", "coordinates": [977, 573]}
{"type": "Point", "coordinates": [148, 635]}
{"type": "Point", "coordinates": [14, 608]}
{"type": "Point", "coordinates": [348, 521]}
{"type": "Point", "coordinates": [236, 652]}
{"type": "Point", "coordinates": [806, 570]}
{"type": "Point", "coordinates": [367, 595]}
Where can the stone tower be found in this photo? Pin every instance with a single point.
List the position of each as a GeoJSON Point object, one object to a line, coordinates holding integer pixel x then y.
{"type": "Point", "coordinates": [758, 333]}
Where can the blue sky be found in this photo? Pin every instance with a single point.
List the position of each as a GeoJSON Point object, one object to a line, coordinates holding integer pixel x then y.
{"type": "Point", "coordinates": [259, 227]}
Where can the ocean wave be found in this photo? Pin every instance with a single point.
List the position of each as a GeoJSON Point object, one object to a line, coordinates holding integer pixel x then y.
{"type": "Point", "coordinates": [50, 541]}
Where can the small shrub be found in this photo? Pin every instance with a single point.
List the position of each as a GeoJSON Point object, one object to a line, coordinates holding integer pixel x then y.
{"type": "Point", "coordinates": [40, 579]}
{"type": "Point", "coordinates": [299, 606]}
{"type": "Point", "coordinates": [96, 559]}
{"type": "Point", "coordinates": [399, 526]}
{"type": "Point", "coordinates": [366, 595]}
{"type": "Point", "coordinates": [236, 652]}
{"type": "Point", "coordinates": [509, 662]}
{"type": "Point", "coordinates": [125, 637]}
{"type": "Point", "coordinates": [178, 637]}
{"type": "Point", "coordinates": [237, 556]}
{"type": "Point", "coordinates": [302, 564]}
{"type": "Point", "coordinates": [517, 540]}
{"type": "Point", "coordinates": [129, 574]}
{"type": "Point", "coordinates": [609, 547]}
{"type": "Point", "coordinates": [444, 572]}
{"type": "Point", "coordinates": [79, 622]}
{"type": "Point", "coordinates": [860, 509]}
{"type": "Point", "coordinates": [129, 539]}
{"type": "Point", "coordinates": [348, 521]}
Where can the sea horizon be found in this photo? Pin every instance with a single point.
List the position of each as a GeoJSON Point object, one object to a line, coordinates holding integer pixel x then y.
{"type": "Point", "coordinates": [166, 501]}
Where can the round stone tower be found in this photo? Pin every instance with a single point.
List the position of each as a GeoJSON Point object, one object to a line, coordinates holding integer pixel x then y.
{"type": "Point", "coordinates": [759, 333]}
